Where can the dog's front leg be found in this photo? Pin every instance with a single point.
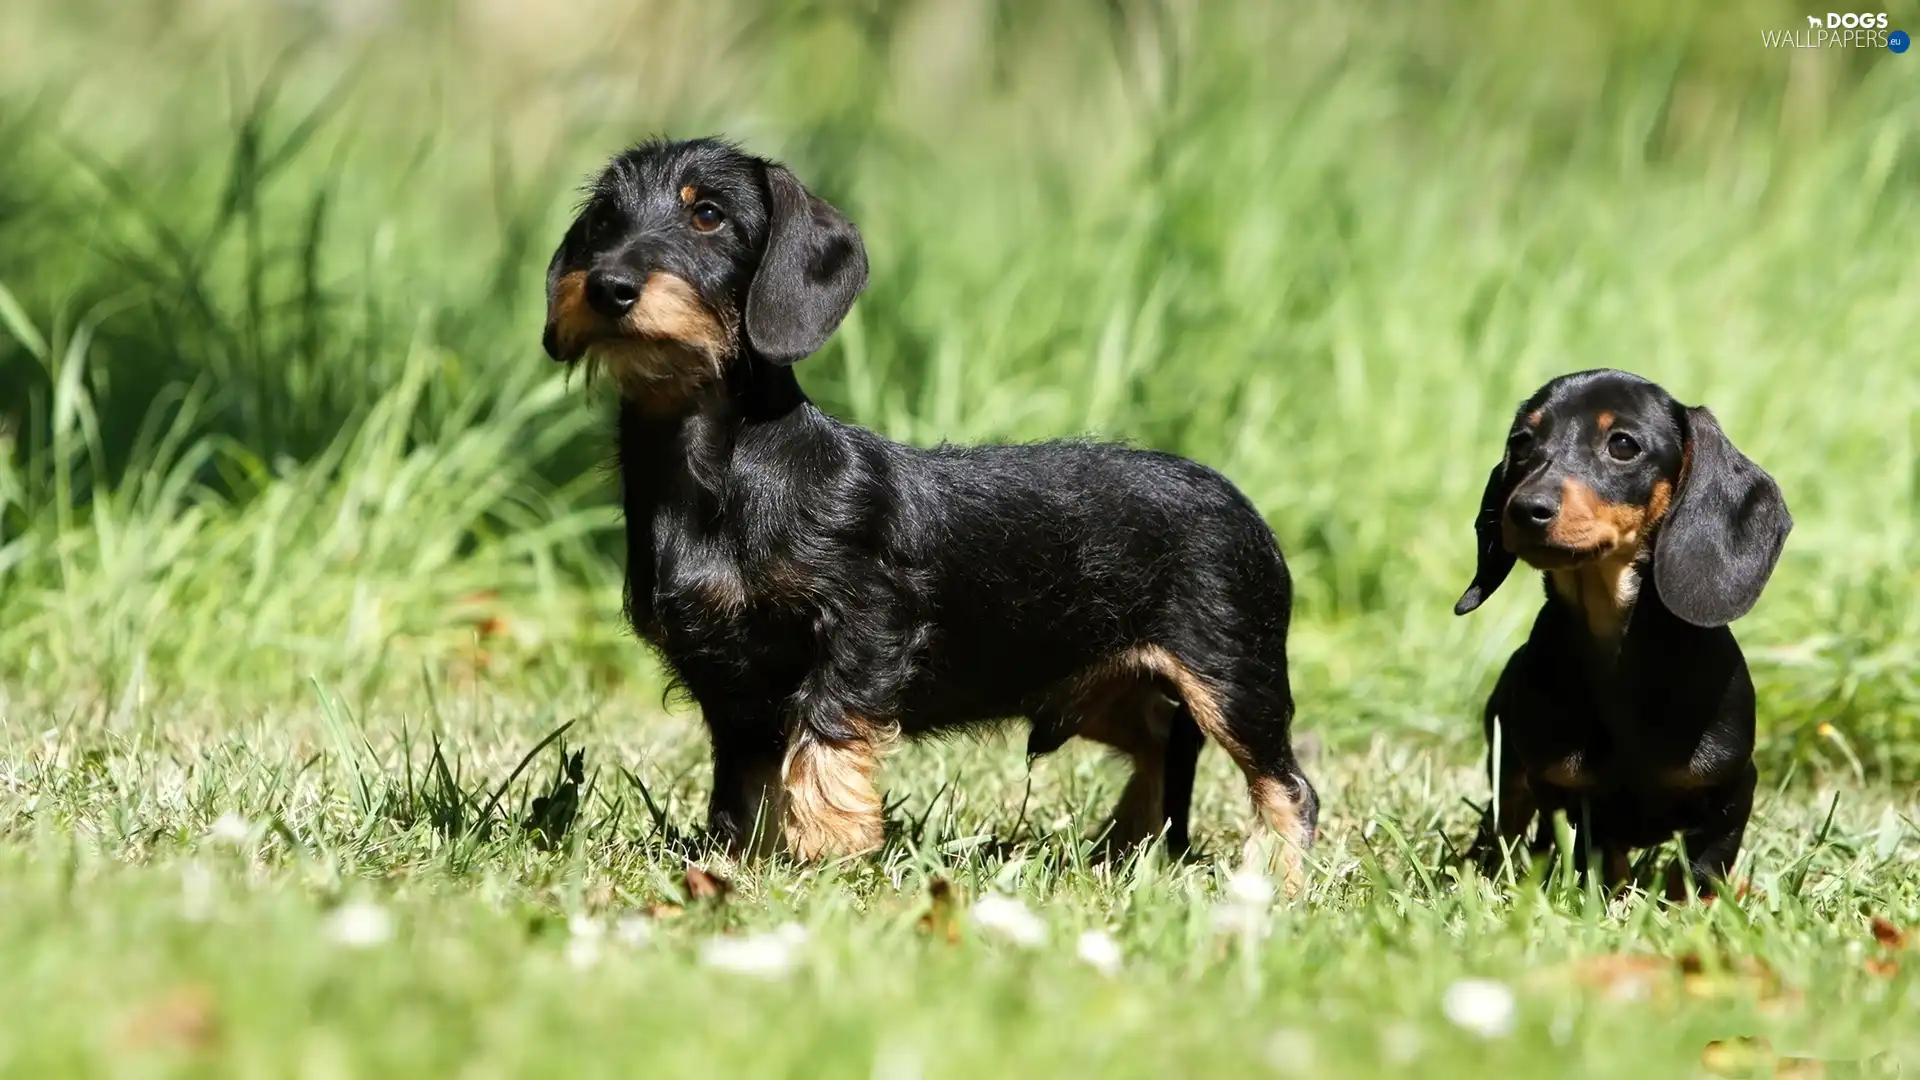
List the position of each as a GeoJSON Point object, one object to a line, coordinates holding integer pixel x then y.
{"type": "Point", "coordinates": [832, 804]}
{"type": "Point", "coordinates": [841, 720]}
{"type": "Point", "coordinates": [1713, 847]}
{"type": "Point", "coordinates": [747, 809]}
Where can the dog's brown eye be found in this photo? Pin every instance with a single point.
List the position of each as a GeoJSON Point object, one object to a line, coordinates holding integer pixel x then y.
{"type": "Point", "coordinates": [1621, 447]}
{"type": "Point", "coordinates": [707, 217]}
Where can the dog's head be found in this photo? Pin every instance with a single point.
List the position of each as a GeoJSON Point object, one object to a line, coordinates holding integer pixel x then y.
{"type": "Point", "coordinates": [688, 257]}
{"type": "Point", "coordinates": [1600, 464]}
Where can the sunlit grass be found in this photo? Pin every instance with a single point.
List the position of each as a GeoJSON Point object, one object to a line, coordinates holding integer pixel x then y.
{"type": "Point", "coordinates": [299, 530]}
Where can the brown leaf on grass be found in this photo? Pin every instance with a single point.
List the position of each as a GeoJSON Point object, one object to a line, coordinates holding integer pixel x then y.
{"type": "Point", "coordinates": [664, 910]}
{"type": "Point", "coordinates": [1754, 1057]}
{"type": "Point", "coordinates": [940, 918]}
{"type": "Point", "coordinates": [1737, 1057]}
{"type": "Point", "coordinates": [1744, 976]}
{"type": "Point", "coordinates": [1885, 969]}
{"type": "Point", "coordinates": [1623, 977]}
{"type": "Point", "coordinates": [184, 1020]}
{"type": "Point", "coordinates": [1888, 934]}
{"type": "Point", "coordinates": [705, 885]}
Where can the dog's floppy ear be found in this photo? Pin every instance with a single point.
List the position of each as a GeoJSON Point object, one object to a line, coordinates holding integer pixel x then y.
{"type": "Point", "coordinates": [549, 337]}
{"type": "Point", "coordinates": [1495, 561]}
{"type": "Point", "coordinates": [813, 269]}
{"type": "Point", "coordinates": [1719, 543]}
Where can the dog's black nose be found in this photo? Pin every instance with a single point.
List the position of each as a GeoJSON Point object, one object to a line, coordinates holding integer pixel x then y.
{"type": "Point", "coordinates": [612, 292]}
{"type": "Point", "coordinates": [1532, 509]}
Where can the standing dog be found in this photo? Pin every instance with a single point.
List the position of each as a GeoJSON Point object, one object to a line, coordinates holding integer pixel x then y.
{"type": "Point", "coordinates": [1631, 695]}
{"type": "Point", "coordinates": [819, 589]}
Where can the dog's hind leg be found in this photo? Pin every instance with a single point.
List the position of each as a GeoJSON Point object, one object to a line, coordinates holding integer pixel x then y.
{"type": "Point", "coordinates": [1127, 709]}
{"type": "Point", "coordinates": [1179, 763]}
{"type": "Point", "coordinates": [1141, 812]}
{"type": "Point", "coordinates": [1251, 718]}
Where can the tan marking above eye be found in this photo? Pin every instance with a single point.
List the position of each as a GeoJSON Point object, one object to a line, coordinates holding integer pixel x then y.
{"type": "Point", "coordinates": [688, 194]}
{"type": "Point", "coordinates": [1603, 421]}
{"type": "Point", "coordinates": [1534, 417]}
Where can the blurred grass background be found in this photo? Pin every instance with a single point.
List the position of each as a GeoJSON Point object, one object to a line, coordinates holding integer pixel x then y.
{"type": "Point", "coordinates": [272, 405]}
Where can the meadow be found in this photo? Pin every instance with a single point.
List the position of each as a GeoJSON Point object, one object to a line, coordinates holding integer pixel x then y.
{"type": "Point", "coordinates": [324, 750]}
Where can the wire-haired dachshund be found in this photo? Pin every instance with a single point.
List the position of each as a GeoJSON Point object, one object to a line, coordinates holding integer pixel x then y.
{"type": "Point", "coordinates": [1631, 699]}
{"type": "Point", "coordinates": [818, 589]}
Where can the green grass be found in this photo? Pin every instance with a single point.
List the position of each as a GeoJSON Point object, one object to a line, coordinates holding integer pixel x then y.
{"type": "Point", "coordinates": [289, 498]}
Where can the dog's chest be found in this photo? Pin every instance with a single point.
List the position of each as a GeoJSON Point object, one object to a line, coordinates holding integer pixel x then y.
{"type": "Point", "coordinates": [716, 617]}
{"type": "Point", "coordinates": [1623, 750]}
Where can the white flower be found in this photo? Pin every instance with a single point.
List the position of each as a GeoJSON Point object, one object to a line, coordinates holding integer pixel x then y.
{"type": "Point", "coordinates": [1010, 919]}
{"type": "Point", "coordinates": [1098, 950]}
{"type": "Point", "coordinates": [231, 828]}
{"type": "Point", "coordinates": [1250, 895]}
{"type": "Point", "coordinates": [765, 956]}
{"type": "Point", "coordinates": [360, 925]}
{"type": "Point", "coordinates": [1481, 1006]}
{"type": "Point", "coordinates": [1290, 1050]}
{"type": "Point", "coordinates": [1250, 887]}
{"type": "Point", "coordinates": [633, 931]}
{"type": "Point", "coordinates": [583, 941]}
{"type": "Point", "coordinates": [1239, 920]}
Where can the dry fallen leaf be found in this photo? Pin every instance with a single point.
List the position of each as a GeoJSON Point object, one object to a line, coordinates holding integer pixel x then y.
{"type": "Point", "coordinates": [1888, 934]}
{"type": "Point", "coordinates": [1885, 969]}
{"type": "Point", "coordinates": [1755, 1057]}
{"type": "Point", "coordinates": [703, 885]}
{"type": "Point", "coordinates": [183, 1020]}
{"type": "Point", "coordinates": [940, 918]}
{"type": "Point", "coordinates": [1736, 1057]}
{"type": "Point", "coordinates": [1744, 976]}
{"type": "Point", "coordinates": [1626, 977]}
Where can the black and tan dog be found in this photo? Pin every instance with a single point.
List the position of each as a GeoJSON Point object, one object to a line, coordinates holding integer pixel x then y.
{"type": "Point", "coordinates": [1631, 696]}
{"type": "Point", "coordinates": [819, 589]}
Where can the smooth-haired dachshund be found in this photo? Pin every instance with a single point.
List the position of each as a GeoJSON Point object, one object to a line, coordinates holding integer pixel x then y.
{"type": "Point", "coordinates": [1631, 700]}
{"type": "Point", "coordinates": [818, 589]}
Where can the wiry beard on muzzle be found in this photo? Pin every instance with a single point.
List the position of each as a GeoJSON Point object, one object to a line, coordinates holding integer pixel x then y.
{"type": "Point", "coordinates": [650, 372]}
{"type": "Point", "coordinates": [662, 353]}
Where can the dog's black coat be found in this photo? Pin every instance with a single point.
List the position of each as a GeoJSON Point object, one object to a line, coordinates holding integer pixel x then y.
{"type": "Point", "coordinates": [1631, 695]}
{"type": "Point", "coordinates": [812, 583]}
